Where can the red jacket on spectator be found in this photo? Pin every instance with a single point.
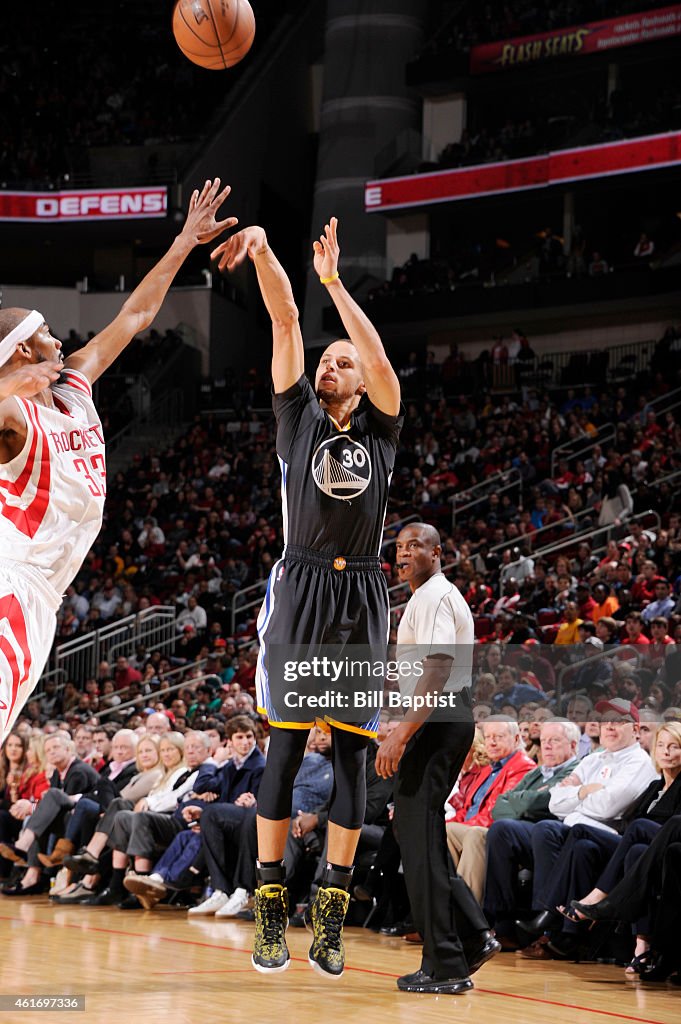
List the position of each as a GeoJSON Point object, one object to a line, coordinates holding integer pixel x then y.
{"type": "Point", "coordinates": [462, 795]}
{"type": "Point", "coordinates": [124, 676]}
{"type": "Point", "coordinates": [586, 609]}
{"type": "Point", "coordinates": [517, 766]}
{"type": "Point", "coordinates": [643, 591]}
{"type": "Point", "coordinates": [33, 786]}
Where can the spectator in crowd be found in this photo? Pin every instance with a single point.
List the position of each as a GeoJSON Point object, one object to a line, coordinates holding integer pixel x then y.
{"type": "Point", "coordinates": [663, 603]}
{"type": "Point", "coordinates": [568, 631]}
{"type": "Point", "coordinates": [70, 778]}
{"type": "Point", "coordinates": [22, 784]}
{"type": "Point", "coordinates": [227, 834]}
{"type": "Point", "coordinates": [232, 782]}
{"type": "Point", "coordinates": [513, 814]}
{"type": "Point", "coordinates": [467, 830]}
{"type": "Point", "coordinates": [596, 806]}
{"type": "Point", "coordinates": [657, 804]}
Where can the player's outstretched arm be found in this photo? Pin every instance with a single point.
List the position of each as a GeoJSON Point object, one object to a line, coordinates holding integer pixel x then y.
{"type": "Point", "coordinates": [141, 307]}
{"type": "Point", "coordinates": [380, 379]}
{"type": "Point", "coordinates": [288, 357]}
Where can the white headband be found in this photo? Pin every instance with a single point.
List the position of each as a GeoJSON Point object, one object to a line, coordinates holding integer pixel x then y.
{"type": "Point", "coordinates": [22, 332]}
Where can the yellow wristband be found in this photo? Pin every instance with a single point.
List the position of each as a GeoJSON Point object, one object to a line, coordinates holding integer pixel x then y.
{"type": "Point", "coordinates": [328, 280]}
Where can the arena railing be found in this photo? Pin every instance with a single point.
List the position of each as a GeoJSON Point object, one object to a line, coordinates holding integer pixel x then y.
{"type": "Point", "coordinates": [181, 670]}
{"type": "Point", "coordinates": [665, 403]}
{"type": "Point", "coordinates": [498, 483]}
{"type": "Point", "coordinates": [158, 633]}
{"type": "Point", "coordinates": [78, 658]}
{"type": "Point", "coordinates": [167, 409]}
{"type": "Point", "coordinates": [616, 651]}
{"type": "Point", "coordinates": [259, 585]}
{"type": "Point", "coordinates": [598, 531]}
{"type": "Point", "coordinates": [531, 538]}
{"type": "Point", "coordinates": [585, 445]}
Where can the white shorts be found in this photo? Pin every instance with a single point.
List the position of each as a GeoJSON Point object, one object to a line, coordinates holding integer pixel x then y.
{"type": "Point", "coordinates": [27, 627]}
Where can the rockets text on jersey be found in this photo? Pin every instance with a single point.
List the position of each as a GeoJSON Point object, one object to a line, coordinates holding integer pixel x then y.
{"type": "Point", "coordinates": [52, 493]}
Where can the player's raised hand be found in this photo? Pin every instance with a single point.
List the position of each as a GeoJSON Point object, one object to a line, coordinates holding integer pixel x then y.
{"type": "Point", "coordinates": [29, 380]}
{"type": "Point", "coordinates": [327, 250]}
{"type": "Point", "coordinates": [201, 224]}
{"type": "Point", "coordinates": [234, 251]}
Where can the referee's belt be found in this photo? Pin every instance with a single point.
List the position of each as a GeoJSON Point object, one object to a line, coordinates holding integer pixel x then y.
{"type": "Point", "coordinates": [341, 563]}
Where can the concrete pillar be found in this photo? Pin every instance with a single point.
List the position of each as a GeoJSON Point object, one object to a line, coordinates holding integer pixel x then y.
{"type": "Point", "coordinates": [365, 107]}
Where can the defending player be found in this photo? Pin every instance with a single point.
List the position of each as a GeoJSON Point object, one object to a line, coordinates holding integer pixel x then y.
{"type": "Point", "coordinates": [437, 621]}
{"type": "Point", "coordinates": [336, 445]}
{"type": "Point", "coordinates": [52, 466]}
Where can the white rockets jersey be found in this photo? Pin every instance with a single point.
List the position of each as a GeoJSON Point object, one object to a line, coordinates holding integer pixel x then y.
{"type": "Point", "coordinates": [52, 493]}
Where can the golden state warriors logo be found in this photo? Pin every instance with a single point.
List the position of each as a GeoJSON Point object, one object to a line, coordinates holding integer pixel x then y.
{"type": "Point", "coordinates": [341, 468]}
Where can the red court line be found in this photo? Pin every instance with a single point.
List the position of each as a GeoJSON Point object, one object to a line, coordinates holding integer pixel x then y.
{"type": "Point", "coordinates": [355, 970]}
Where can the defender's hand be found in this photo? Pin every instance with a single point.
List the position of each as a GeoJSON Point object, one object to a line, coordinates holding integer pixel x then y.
{"type": "Point", "coordinates": [201, 225]}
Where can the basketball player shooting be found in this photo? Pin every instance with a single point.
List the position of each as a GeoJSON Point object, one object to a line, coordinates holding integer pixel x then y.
{"type": "Point", "coordinates": [336, 446]}
{"type": "Point", "coordinates": [52, 464]}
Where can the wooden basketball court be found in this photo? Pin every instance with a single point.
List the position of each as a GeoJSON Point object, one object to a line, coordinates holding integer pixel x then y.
{"type": "Point", "coordinates": [160, 965]}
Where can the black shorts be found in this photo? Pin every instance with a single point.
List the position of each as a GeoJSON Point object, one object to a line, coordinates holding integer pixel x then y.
{"type": "Point", "coordinates": [315, 600]}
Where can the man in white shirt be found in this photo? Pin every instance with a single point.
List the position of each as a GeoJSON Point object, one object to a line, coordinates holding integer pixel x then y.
{"type": "Point", "coordinates": [437, 621]}
{"type": "Point", "coordinates": [594, 796]}
{"type": "Point", "coordinates": [193, 615]}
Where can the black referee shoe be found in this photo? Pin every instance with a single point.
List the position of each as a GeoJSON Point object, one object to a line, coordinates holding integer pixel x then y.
{"type": "Point", "coordinates": [419, 981]}
{"type": "Point", "coordinates": [480, 949]}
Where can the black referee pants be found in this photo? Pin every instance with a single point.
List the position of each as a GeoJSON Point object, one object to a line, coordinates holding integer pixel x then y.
{"type": "Point", "coordinates": [443, 908]}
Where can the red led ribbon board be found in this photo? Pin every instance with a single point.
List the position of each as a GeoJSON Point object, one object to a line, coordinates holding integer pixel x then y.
{"type": "Point", "coordinates": [565, 165]}
{"type": "Point", "coordinates": [84, 205]}
{"type": "Point", "coordinates": [576, 41]}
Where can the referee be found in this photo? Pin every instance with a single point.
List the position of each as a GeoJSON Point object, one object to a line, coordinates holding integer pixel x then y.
{"type": "Point", "coordinates": [428, 758]}
{"type": "Point", "coordinates": [336, 445]}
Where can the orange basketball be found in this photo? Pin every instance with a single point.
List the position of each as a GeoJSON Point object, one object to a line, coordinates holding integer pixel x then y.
{"type": "Point", "coordinates": [215, 34]}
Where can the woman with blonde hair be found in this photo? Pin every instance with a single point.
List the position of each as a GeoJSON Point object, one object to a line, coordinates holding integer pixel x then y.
{"type": "Point", "coordinates": [660, 801]}
{"type": "Point", "coordinates": [150, 775]}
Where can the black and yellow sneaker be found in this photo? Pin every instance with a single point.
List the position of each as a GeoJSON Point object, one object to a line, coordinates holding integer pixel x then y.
{"type": "Point", "coordinates": [270, 952]}
{"type": "Point", "coordinates": [325, 916]}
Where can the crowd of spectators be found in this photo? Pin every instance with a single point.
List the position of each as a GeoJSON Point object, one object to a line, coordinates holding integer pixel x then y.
{"type": "Point", "coordinates": [194, 525]}
{"type": "Point", "coordinates": [568, 634]}
{"type": "Point", "coordinates": [147, 810]}
{"type": "Point", "coordinates": [561, 119]}
{"type": "Point", "coordinates": [500, 19]}
{"type": "Point", "coordinates": [48, 121]}
{"type": "Point", "coordinates": [520, 258]}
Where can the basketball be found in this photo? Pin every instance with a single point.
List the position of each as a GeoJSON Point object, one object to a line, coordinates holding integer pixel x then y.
{"type": "Point", "coordinates": [214, 34]}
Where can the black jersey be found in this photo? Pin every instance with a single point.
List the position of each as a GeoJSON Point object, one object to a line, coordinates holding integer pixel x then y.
{"type": "Point", "coordinates": [334, 482]}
